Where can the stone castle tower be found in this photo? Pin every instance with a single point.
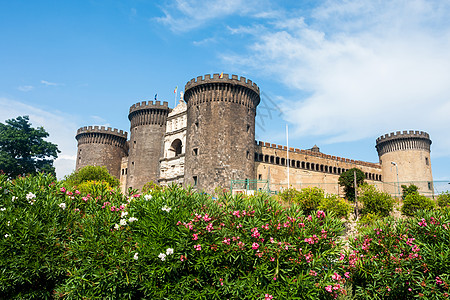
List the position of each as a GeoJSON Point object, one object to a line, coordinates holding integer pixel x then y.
{"type": "Point", "coordinates": [208, 140]}
{"type": "Point", "coordinates": [404, 158]}
{"type": "Point", "coordinates": [148, 126]}
{"type": "Point", "coordinates": [100, 146]}
{"type": "Point", "coordinates": [220, 130]}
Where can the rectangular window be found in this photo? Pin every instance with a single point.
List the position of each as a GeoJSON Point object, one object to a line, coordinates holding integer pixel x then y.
{"type": "Point", "coordinates": [426, 161]}
{"type": "Point", "coordinates": [195, 151]}
{"type": "Point", "coordinates": [195, 180]}
{"type": "Point", "coordinates": [259, 176]}
{"type": "Point", "coordinates": [430, 185]}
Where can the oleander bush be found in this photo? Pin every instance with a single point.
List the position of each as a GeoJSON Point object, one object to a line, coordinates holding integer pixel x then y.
{"type": "Point", "coordinates": [338, 206]}
{"type": "Point", "coordinates": [402, 259]}
{"type": "Point", "coordinates": [170, 244]}
{"type": "Point", "coordinates": [173, 243]}
{"type": "Point", "coordinates": [309, 198]}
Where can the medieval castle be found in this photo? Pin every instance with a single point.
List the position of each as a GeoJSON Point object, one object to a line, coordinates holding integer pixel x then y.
{"type": "Point", "coordinates": [208, 140]}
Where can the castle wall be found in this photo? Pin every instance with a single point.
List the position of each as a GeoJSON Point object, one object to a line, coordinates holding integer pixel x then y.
{"type": "Point", "coordinates": [220, 130]}
{"type": "Point", "coordinates": [148, 126]}
{"type": "Point", "coordinates": [307, 168]}
{"type": "Point", "coordinates": [100, 146]}
{"type": "Point", "coordinates": [409, 153]}
{"type": "Point", "coordinates": [123, 174]}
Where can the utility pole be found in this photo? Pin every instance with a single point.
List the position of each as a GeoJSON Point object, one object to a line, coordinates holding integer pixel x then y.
{"type": "Point", "coordinates": [356, 193]}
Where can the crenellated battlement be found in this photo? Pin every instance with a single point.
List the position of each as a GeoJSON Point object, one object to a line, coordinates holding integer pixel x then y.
{"type": "Point", "coordinates": [400, 141]}
{"type": "Point", "coordinates": [403, 134]}
{"type": "Point", "coordinates": [102, 129]}
{"type": "Point", "coordinates": [149, 105]}
{"type": "Point", "coordinates": [234, 79]}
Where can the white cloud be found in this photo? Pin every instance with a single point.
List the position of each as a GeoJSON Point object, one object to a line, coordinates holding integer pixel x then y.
{"type": "Point", "coordinates": [368, 67]}
{"type": "Point", "coordinates": [25, 88]}
{"type": "Point", "coordinates": [47, 83]}
{"type": "Point", "coordinates": [185, 15]}
{"type": "Point", "coordinates": [61, 128]}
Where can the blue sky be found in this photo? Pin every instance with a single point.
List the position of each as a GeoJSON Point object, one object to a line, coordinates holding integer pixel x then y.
{"type": "Point", "coordinates": [339, 73]}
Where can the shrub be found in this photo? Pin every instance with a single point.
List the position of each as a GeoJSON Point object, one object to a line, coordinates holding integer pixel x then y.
{"type": "Point", "coordinates": [309, 199]}
{"type": "Point", "coordinates": [336, 205]}
{"type": "Point", "coordinates": [415, 202]}
{"type": "Point", "coordinates": [374, 201]}
{"type": "Point", "coordinates": [90, 173]}
{"type": "Point", "coordinates": [367, 220]}
{"type": "Point", "coordinates": [150, 186]}
{"type": "Point", "coordinates": [288, 195]}
{"type": "Point", "coordinates": [411, 189]}
{"type": "Point", "coordinates": [94, 188]}
{"type": "Point", "coordinates": [443, 200]}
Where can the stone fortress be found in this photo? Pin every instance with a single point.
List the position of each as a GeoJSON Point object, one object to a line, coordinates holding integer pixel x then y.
{"type": "Point", "coordinates": [208, 141]}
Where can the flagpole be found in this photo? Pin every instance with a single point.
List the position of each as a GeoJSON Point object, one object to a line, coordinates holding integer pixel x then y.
{"type": "Point", "coordinates": [287, 143]}
{"type": "Point", "coordinates": [175, 92]}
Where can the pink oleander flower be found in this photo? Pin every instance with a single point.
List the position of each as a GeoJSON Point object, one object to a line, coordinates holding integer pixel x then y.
{"type": "Point", "coordinates": [342, 256]}
{"type": "Point", "coordinates": [69, 193]}
{"type": "Point", "coordinates": [347, 274]}
{"type": "Point", "coordinates": [255, 246]}
{"type": "Point", "coordinates": [268, 297]}
{"type": "Point", "coordinates": [313, 273]}
{"type": "Point", "coordinates": [439, 281]}
{"type": "Point", "coordinates": [226, 241]}
{"type": "Point", "coordinates": [136, 195]}
{"type": "Point", "coordinates": [329, 288]}
{"type": "Point", "coordinates": [77, 192]}
{"type": "Point", "coordinates": [272, 259]}
{"type": "Point", "coordinates": [336, 276]}
{"type": "Point", "coordinates": [309, 218]}
{"type": "Point", "coordinates": [63, 189]}
{"type": "Point", "coordinates": [195, 236]}
{"type": "Point", "coordinates": [320, 214]}
{"type": "Point", "coordinates": [206, 218]}
{"type": "Point", "coordinates": [113, 208]}
{"type": "Point", "coordinates": [198, 247]}
{"type": "Point", "coordinates": [423, 223]}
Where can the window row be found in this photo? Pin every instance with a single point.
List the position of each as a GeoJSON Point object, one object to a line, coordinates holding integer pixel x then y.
{"type": "Point", "coordinates": [308, 165]}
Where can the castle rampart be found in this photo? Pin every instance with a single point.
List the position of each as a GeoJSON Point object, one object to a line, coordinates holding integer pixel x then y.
{"type": "Point", "coordinates": [405, 158]}
{"type": "Point", "coordinates": [100, 146]}
{"type": "Point", "coordinates": [147, 129]}
{"type": "Point", "coordinates": [220, 130]}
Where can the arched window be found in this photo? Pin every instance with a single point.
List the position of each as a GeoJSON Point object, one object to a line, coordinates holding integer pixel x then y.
{"type": "Point", "coordinates": [283, 161]}
{"type": "Point", "coordinates": [266, 158]}
{"type": "Point", "coordinates": [176, 148]}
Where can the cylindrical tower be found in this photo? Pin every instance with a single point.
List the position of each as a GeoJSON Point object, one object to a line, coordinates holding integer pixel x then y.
{"type": "Point", "coordinates": [148, 125]}
{"type": "Point", "coordinates": [405, 159]}
{"type": "Point", "coordinates": [100, 146]}
{"type": "Point", "coordinates": [220, 134]}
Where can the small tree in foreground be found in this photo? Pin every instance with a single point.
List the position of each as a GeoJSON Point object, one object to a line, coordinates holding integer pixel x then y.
{"type": "Point", "coordinates": [375, 202]}
{"type": "Point", "coordinates": [23, 149]}
{"type": "Point", "coordinates": [346, 180]}
{"type": "Point", "coordinates": [91, 173]}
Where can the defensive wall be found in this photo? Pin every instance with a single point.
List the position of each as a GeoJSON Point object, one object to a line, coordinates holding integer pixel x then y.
{"type": "Point", "coordinates": [307, 168]}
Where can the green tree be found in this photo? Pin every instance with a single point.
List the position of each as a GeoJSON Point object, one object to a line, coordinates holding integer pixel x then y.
{"type": "Point", "coordinates": [91, 173]}
{"type": "Point", "coordinates": [23, 149]}
{"type": "Point", "coordinates": [347, 181]}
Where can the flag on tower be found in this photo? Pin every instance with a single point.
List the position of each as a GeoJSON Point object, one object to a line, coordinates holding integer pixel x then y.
{"type": "Point", "coordinates": [175, 90]}
{"type": "Point", "coordinates": [156, 95]}
{"type": "Point", "coordinates": [221, 75]}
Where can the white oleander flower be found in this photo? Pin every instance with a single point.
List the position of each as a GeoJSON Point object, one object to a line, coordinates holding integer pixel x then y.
{"type": "Point", "coordinates": [123, 222]}
{"type": "Point", "coordinates": [132, 219]}
{"type": "Point", "coordinates": [6, 235]}
{"type": "Point", "coordinates": [162, 256]}
{"type": "Point", "coordinates": [148, 197]}
{"type": "Point", "coordinates": [13, 198]}
{"type": "Point", "coordinates": [136, 256]}
{"type": "Point", "coordinates": [63, 206]}
{"type": "Point", "coordinates": [116, 226]}
{"type": "Point", "coordinates": [169, 251]}
{"type": "Point", "coordinates": [2, 209]}
{"type": "Point", "coordinates": [30, 196]}
{"type": "Point", "coordinates": [166, 208]}
{"type": "Point", "coordinates": [124, 213]}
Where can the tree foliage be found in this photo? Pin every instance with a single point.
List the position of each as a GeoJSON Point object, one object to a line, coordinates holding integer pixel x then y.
{"type": "Point", "coordinates": [23, 149]}
{"type": "Point", "coordinates": [411, 189]}
{"type": "Point", "coordinates": [91, 173]}
{"type": "Point", "coordinates": [374, 201]}
{"type": "Point", "coordinates": [347, 181]}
